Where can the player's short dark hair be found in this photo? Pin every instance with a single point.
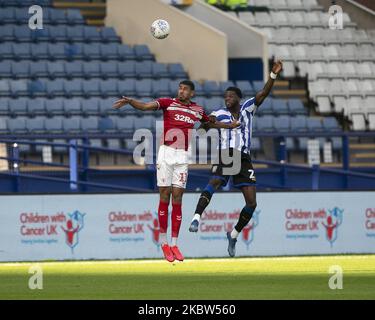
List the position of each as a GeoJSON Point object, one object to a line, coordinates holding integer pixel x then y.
{"type": "Point", "coordinates": [236, 90]}
{"type": "Point", "coordinates": [188, 83]}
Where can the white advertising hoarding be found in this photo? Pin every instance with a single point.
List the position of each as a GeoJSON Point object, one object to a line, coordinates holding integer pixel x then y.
{"type": "Point", "coordinates": [68, 227]}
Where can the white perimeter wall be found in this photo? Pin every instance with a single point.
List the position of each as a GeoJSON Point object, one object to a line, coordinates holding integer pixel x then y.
{"type": "Point", "coordinates": [124, 226]}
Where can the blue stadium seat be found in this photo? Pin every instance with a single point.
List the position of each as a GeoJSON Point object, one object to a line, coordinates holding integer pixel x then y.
{"type": "Point", "coordinates": [72, 125]}
{"type": "Point", "coordinates": [36, 107]}
{"type": "Point", "coordinates": [55, 107]}
{"type": "Point", "coordinates": [73, 87]}
{"type": "Point", "coordinates": [282, 123]}
{"type": "Point", "coordinates": [256, 144]}
{"type": "Point", "coordinates": [57, 51]}
{"type": "Point", "coordinates": [107, 125]}
{"type": "Point", "coordinates": [75, 33]}
{"type": "Point", "coordinates": [91, 51]}
{"type": "Point", "coordinates": [331, 124]}
{"type": "Point", "coordinates": [55, 88]}
{"type": "Point", "coordinates": [199, 91]}
{"type": "Point", "coordinates": [336, 143]}
{"type": "Point", "coordinates": [266, 107]}
{"type": "Point", "coordinates": [246, 87]}
{"type": "Point", "coordinates": [73, 17]}
{"type": "Point", "coordinates": [40, 35]}
{"type": "Point", "coordinates": [213, 103]}
{"type": "Point", "coordinates": [224, 85]}
{"type": "Point", "coordinates": [18, 107]}
{"type": "Point", "coordinates": [57, 16]}
{"type": "Point", "coordinates": [72, 107]}
{"type": "Point", "coordinates": [89, 125]}
{"type": "Point", "coordinates": [160, 88]}
{"type": "Point", "coordinates": [126, 69]}
{"type": "Point", "coordinates": [4, 106]}
{"type": "Point", "coordinates": [125, 52]}
{"type": "Point", "coordinates": [90, 107]}
{"type": "Point", "coordinates": [126, 87]}
{"type": "Point", "coordinates": [108, 34]}
{"type": "Point", "coordinates": [4, 125]}
{"type": "Point", "coordinates": [17, 126]}
{"type": "Point", "coordinates": [74, 69]}
{"type": "Point", "coordinates": [160, 70]}
{"type": "Point", "coordinates": [54, 125]}
{"type": "Point", "coordinates": [57, 148]}
{"type": "Point", "coordinates": [35, 125]}
{"type": "Point", "coordinates": [91, 34]}
{"type": "Point", "coordinates": [108, 51]}
{"type": "Point", "coordinates": [91, 70]}
{"type": "Point", "coordinates": [57, 33]}
{"type": "Point", "coordinates": [296, 107]}
{"type": "Point", "coordinates": [4, 87]}
{"type": "Point", "coordinates": [22, 16]}
{"type": "Point", "coordinates": [211, 88]}
{"type": "Point", "coordinates": [5, 69]}
{"type": "Point", "coordinates": [314, 124]}
{"type": "Point", "coordinates": [280, 107]}
{"type": "Point", "coordinates": [8, 16]}
{"type": "Point", "coordinates": [7, 33]}
{"type": "Point", "coordinates": [39, 51]}
{"type": "Point", "coordinates": [265, 124]}
{"type": "Point", "coordinates": [298, 123]}
{"type": "Point", "coordinates": [38, 69]}
{"type": "Point", "coordinates": [73, 51]}
{"type": "Point", "coordinates": [108, 69]}
{"type": "Point", "coordinates": [18, 88]}
{"type": "Point", "coordinates": [55, 70]}
{"type": "Point", "coordinates": [20, 69]}
{"type": "Point", "coordinates": [91, 87]}
{"type": "Point", "coordinates": [143, 69]}
{"type": "Point", "coordinates": [258, 86]}
{"type": "Point", "coordinates": [125, 125]}
{"type": "Point", "coordinates": [108, 87]}
{"type": "Point", "coordinates": [105, 106]}
{"type": "Point", "coordinates": [21, 51]}
{"type": "Point", "coordinates": [173, 86]}
{"type": "Point", "coordinates": [6, 50]}
{"type": "Point", "coordinates": [37, 88]}
{"type": "Point", "coordinates": [145, 122]}
{"type": "Point", "coordinates": [143, 88]}
{"type": "Point", "coordinates": [177, 71]}
{"type": "Point", "coordinates": [142, 52]}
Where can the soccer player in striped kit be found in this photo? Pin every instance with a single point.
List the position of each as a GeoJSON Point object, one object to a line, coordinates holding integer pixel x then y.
{"type": "Point", "coordinates": [237, 143]}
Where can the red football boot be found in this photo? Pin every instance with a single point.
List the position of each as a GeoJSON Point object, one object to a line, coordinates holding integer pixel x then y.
{"type": "Point", "coordinates": [168, 254]}
{"type": "Point", "coordinates": [177, 254]}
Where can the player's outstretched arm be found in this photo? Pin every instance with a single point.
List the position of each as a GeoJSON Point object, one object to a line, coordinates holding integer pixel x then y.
{"type": "Point", "coordinates": [213, 123]}
{"type": "Point", "coordinates": [153, 105]}
{"type": "Point", "coordinates": [261, 95]}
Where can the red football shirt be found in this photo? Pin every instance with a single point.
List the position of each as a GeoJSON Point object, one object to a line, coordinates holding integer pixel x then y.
{"type": "Point", "coordinates": [179, 119]}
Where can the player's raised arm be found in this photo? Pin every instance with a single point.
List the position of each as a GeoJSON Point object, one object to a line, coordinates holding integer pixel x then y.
{"type": "Point", "coordinates": [261, 95]}
{"type": "Point", "coordinates": [153, 105]}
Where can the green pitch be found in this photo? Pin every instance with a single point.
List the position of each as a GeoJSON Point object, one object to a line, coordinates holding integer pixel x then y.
{"type": "Point", "coordinates": [243, 278]}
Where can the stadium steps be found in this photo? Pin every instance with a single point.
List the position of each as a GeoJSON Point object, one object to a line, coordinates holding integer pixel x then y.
{"type": "Point", "coordinates": [362, 153]}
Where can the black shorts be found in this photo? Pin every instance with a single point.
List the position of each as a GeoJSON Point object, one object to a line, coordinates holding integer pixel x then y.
{"type": "Point", "coordinates": [246, 176]}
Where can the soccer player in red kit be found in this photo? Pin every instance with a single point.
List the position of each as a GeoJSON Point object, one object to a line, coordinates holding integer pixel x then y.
{"type": "Point", "coordinates": [180, 115]}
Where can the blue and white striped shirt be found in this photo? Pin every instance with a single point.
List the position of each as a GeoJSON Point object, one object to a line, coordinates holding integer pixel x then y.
{"type": "Point", "coordinates": [239, 138]}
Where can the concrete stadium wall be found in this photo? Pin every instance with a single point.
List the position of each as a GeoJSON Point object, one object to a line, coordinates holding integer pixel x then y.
{"type": "Point", "coordinates": [124, 226]}
{"type": "Point", "coordinates": [199, 47]}
{"type": "Point", "coordinates": [243, 40]}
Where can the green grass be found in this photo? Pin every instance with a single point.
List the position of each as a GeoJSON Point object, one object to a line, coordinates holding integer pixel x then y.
{"type": "Point", "coordinates": [243, 278]}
